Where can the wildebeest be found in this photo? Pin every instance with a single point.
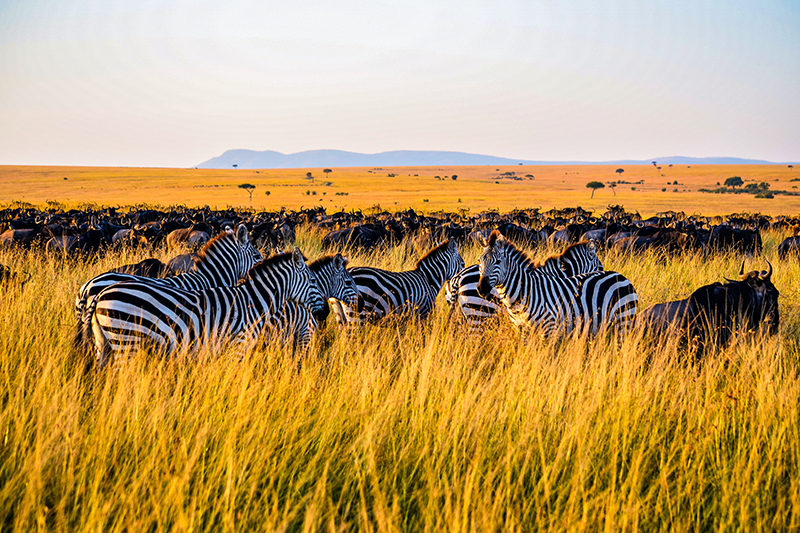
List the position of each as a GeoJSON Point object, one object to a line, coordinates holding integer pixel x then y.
{"type": "Point", "coordinates": [182, 263]}
{"type": "Point", "coordinates": [790, 245]}
{"type": "Point", "coordinates": [149, 268]}
{"type": "Point", "coordinates": [712, 313]}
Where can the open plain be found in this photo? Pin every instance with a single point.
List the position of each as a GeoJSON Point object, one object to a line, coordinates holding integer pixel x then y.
{"type": "Point", "coordinates": [413, 426]}
{"type": "Point", "coordinates": [643, 188]}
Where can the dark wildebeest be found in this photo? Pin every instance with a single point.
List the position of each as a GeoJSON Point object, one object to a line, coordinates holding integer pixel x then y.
{"type": "Point", "coordinates": [149, 268]}
{"type": "Point", "coordinates": [790, 245]}
{"type": "Point", "coordinates": [712, 314]}
{"type": "Point", "coordinates": [183, 263]}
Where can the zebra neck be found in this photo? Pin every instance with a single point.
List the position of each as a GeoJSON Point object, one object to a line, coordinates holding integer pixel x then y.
{"type": "Point", "coordinates": [434, 273]}
{"type": "Point", "coordinates": [324, 277]}
{"type": "Point", "coordinates": [264, 293]}
{"type": "Point", "coordinates": [217, 275]}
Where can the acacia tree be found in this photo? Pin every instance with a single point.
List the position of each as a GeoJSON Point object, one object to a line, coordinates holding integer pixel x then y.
{"type": "Point", "coordinates": [613, 185]}
{"type": "Point", "coordinates": [249, 187]}
{"type": "Point", "coordinates": [327, 171]}
{"type": "Point", "coordinates": [235, 166]}
{"type": "Point", "coordinates": [620, 171]}
{"type": "Point", "coordinates": [733, 181]}
{"type": "Point", "coordinates": [310, 176]}
{"type": "Point", "coordinates": [594, 185]}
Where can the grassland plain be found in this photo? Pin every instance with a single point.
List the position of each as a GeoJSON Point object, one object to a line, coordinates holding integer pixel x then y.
{"type": "Point", "coordinates": [645, 188]}
{"type": "Point", "coordinates": [413, 427]}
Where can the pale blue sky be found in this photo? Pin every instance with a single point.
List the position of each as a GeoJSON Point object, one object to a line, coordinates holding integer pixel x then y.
{"type": "Point", "coordinates": [173, 83]}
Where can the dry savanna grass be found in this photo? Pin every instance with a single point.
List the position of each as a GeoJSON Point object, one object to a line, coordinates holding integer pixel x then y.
{"type": "Point", "coordinates": [476, 188]}
{"type": "Point", "coordinates": [411, 427]}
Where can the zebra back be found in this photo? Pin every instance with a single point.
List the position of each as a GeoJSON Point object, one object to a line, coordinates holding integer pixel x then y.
{"type": "Point", "coordinates": [130, 315]}
{"type": "Point", "coordinates": [413, 292]}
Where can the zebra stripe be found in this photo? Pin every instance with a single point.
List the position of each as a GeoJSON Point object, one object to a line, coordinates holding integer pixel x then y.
{"type": "Point", "coordinates": [585, 303]}
{"type": "Point", "coordinates": [131, 315]}
{"type": "Point", "coordinates": [382, 293]}
{"type": "Point", "coordinates": [462, 289]}
{"type": "Point", "coordinates": [222, 262]}
{"type": "Point", "coordinates": [296, 323]}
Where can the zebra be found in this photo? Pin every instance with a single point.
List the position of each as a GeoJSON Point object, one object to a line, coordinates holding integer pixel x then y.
{"type": "Point", "coordinates": [584, 303]}
{"type": "Point", "coordinates": [295, 322]}
{"type": "Point", "coordinates": [461, 291]}
{"type": "Point", "coordinates": [222, 262]}
{"type": "Point", "coordinates": [131, 315]}
{"type": "Point", "coordinates": [413, 292]}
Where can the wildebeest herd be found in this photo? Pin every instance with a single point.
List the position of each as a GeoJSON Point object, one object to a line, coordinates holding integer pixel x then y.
{"type": "Point", "coordinates": [225, 293]}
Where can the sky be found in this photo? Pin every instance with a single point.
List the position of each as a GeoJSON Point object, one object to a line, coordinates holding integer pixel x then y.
{"type": "Point", "coordinates": [173, 83]}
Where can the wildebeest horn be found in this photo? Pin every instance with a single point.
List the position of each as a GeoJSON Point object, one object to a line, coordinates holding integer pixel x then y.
{"type": "Point", "coordinates": [741, 270]}
{"type": "Point", "coordinates": [766, 274]}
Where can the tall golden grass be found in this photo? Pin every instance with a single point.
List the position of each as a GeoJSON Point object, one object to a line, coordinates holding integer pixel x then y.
{"type": "Point", "coordinates": [413, 427]}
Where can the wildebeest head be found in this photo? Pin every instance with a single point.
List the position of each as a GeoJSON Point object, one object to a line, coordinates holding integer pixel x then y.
{"type": "Point", "coordinates": [746, 304]}
{"type": "Point", "coordinates": [764, 299]}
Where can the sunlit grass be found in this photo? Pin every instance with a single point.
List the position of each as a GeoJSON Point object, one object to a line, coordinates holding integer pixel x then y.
{"type": "Point", "coordinates": [413, 427]}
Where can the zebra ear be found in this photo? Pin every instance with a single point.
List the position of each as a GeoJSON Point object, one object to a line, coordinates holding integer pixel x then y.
{"type": "Point", "coordinates": [592, 245]}
{"type": "Point", "coordinates": [453, 245]}
{"type": "Point", "coordinates": [297, 257]}
{"type": "Point", "coordinates": [241, 234]}
{"type": "Point", "coordinates": [338, 262]}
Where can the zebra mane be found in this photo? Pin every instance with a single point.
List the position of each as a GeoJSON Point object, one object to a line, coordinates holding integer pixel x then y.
{"type": "Point", "coordinates": [271, 261]}
{"type": "Point", "coordinates": [321, 262]}
{"type": "Point", "coordinates": [567, 250]}
{"type": "Point", "coordinates": [202, 254]}
{"type": "Point", "coordinates": [435, 252]}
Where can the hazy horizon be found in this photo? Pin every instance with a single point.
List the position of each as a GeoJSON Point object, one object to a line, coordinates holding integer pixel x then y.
{"type": "Point", "coordinates": [170, 84]}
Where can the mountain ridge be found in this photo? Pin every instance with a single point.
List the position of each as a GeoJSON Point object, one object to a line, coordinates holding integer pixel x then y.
{"type": "Point", "coordinates": [253, 159]}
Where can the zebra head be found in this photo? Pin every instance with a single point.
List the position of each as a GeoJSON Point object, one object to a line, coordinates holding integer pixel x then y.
{"type": "Point", "coordinates": [493, 263]}
{"type": "Point", "coordinates": [334, 280]}
{"type": "Point", "coordinates": [580, 258]}
{"type": "Point", "coordinates": [303, 287]}
{"type": "Point", "coordinates": [343, 286]}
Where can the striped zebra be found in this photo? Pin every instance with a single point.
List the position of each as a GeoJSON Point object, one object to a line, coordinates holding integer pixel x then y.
{"type": "Point", "coordinates": [222, 262]}
{"type": "Point", "coordinates": [461, 291]}
{"type": "Point", "coordinates": [585, 303]}
{"type": "Point", "coordinates": [382, 293]}
{"type": "Point", "coordinates": [131, 315]}
{"type": "Point", "coordinates": [296, 323]}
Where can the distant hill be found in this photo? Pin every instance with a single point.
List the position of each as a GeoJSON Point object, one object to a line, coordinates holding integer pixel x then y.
{"type": "Point", "coordinates": [412, 158]}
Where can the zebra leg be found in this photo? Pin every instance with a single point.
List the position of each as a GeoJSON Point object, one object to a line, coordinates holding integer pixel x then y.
{"type": "Point", "coordinates": [102, 345]}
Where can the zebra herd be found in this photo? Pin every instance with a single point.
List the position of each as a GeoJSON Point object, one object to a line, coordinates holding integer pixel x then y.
{"type": "Point", "coordinates": [235, 298]}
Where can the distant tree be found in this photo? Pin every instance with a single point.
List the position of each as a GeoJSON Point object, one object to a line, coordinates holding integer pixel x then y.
{"type": "Point", "coordinates": [249, 187]}
{"type": "Point", "coordinates": [658, 168]}
{"type": "Point", "coordinates": [620, 171]}
{"type": "Point", "coordinates": [235, 166]}
{"type": "Point", "coordinates": [327, 171]}
{"type": "Point", "coordinates": [791, 166]}
{"type": "Point", "coordinates": [654, 163]}
{"type": "Point", "coordinates": [734, 181]}
{"type": "Point", "coordinates": [268, 193]}
{"type": "Point", "coordinates": [670, 165]}
{"type": "Point", "coordinates": [309, 176]}
{"type": "Point", "coordinates": [594, 185]}
{"type": "Point", "coordinates": [613, 185]}
{"type": "Point", "coordinates": [454, 177]}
